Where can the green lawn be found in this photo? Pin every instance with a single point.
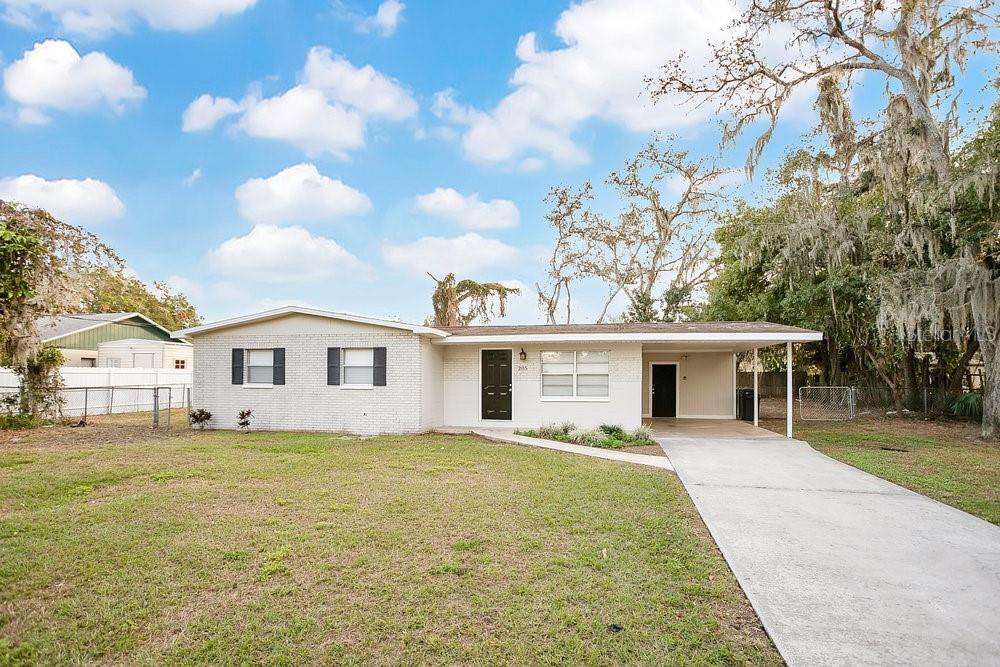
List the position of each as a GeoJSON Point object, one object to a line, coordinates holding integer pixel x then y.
{"type": "Point", "coordinates": [938, 459]}
{"type": "Point", "coordinates": [300, 548]}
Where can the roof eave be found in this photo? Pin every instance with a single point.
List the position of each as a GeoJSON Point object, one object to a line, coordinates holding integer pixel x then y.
{"type": "Point", "coordinates": [772, 338]}
{"type": "Point", "coordinates": [301, 310]}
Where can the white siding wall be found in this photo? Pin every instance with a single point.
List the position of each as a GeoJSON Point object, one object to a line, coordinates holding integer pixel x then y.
{"type": "Point", "coordinates": [462, 389]}
{"type": "Point", "coordinates": [705, 383]}
{"type": "Point", "coordinates": [431, 385]}
{"type": "Point", "coordinates": [305, 401]}
{"type": "Point", "coordinates": [163, 353]}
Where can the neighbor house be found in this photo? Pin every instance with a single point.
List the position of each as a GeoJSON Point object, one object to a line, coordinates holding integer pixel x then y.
{"type": "Point", "coordinates": [305, 369]}
{"type": "Point", "coordinates": [118, 340]}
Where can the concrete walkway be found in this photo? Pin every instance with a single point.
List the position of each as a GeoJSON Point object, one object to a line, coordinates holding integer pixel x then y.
{"type": "Point", "coordinates": [842, 567]}
{"type": "Point", "coordinates": [507, 435]}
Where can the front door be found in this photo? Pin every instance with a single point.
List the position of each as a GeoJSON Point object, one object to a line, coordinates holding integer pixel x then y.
{"type": "Point", "coordinates": [664, 390]}
{"type": "Point", "coordinates": [496, 384]}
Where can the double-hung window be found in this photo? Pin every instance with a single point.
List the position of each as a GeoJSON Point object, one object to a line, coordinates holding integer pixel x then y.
{"type": "Point", "coordinates": [358, 367]}
{"type": "Point", "coordinates": [260, 366]}
{"type": "Point", "coordinates": [575, 374]}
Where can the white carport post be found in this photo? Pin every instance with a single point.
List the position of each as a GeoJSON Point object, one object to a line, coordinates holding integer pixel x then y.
{"type": "Point", "coordinates": [755, 416]}
{"type": "Point", "coordinates": [788, 389]}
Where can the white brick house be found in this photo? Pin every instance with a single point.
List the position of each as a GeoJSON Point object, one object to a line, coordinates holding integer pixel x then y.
{"type": "Point", "coordinates": [306, 369]}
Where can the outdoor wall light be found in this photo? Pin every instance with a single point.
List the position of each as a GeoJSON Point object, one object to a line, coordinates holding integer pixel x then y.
{"type": "Point", "coordinates": [523, 355]}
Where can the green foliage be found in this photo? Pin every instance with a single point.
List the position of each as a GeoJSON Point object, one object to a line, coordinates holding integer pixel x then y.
{"type": "Point", "coordinates": [114, 292]}
{"type": "Point", "coordinates": [642, 309]}
{"type": "Point", "coordinates": [477, 299]}
{"type": "Point", "coordinates": [18, 421]}
{"type": "Point", "coordinates": [607, 436]}
{"type": "Point", "coordinates": [613, 430]}
{"type": "Point", "coordinates": [19, 252]}
{"type": "Point", "coordinates": [969, 404]}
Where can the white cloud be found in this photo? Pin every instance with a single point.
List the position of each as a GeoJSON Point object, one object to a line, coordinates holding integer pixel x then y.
{"type": "Point", "coordinates": [303, 117]}
{"type": "Point", "coordinates": [363, 88]}
{"type": "Point", "coordinates": [78, 202]}
{"type": "Point", "coordinates": [206, 111]}
{"type": "Point", "coordinates": [385, 20]}
{"type": "Point", "coordinates": [193, 177]}
{"type": "Point", "coordinates": [52, 75]}
{"type": "Point", "coordinates": [463, 255]}
{"type": "Point", "coordinates": [468, 211]}
{"type": "Point", "coordinates": [272, 254]}
{"type": "Point", "coordinates": [299, 194]}
{"type": "Point", "coordinates": [99, 18]}
{"type": "Point", "coordinates": [609, 47]}
{"type": "Point", "coordinates": [532, 164]}
{"type": "Point", "coordinates": [326, 113]}
{"type": "Point", "coordinates": [185, 286]}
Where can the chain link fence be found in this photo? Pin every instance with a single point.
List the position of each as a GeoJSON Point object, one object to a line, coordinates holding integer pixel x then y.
{"type": "Point", "coordinates": [815, 403]}
{"type": "Point", "coordinates": [148, 405]}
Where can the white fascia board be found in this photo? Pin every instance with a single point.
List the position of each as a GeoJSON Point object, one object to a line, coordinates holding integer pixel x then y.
{"type": "Point", "coordinates": [300, 310]}
{"type": "Point", "coordinates": [772, 338]}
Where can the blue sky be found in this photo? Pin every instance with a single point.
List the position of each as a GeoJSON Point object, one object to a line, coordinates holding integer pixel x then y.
{"type": "Point", "coordinates": [344, 147]}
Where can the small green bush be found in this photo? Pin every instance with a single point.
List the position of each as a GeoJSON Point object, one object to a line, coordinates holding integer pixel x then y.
{"type": "Point", "coordinates": [642, 436]}
{"type": "Point", "coordinates": [613, 431]}
{"type": "Point", "coordinates": [556, 431]}
{"type": "Point", "coordinates": [586, 436]}
{"type": "Point", "coordinates": [13, 422]}
{"type": "Point", "coordinates": [969, 404]}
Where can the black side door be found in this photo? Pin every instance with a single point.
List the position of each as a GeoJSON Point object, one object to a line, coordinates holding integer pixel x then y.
{"type": "Point", "coordinates": [496, 375]}
{"type": "Point", "coordinates": [664, 391]}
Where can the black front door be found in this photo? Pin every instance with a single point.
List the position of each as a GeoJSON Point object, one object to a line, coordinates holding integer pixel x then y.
{"type": "Point", "coordinates": [664, 390]}
{"type": "Point", "coordinates": [496, 384]}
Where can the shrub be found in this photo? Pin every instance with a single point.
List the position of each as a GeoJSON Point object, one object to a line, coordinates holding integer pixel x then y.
{"type": "Point", "coordinates": [613, 430]}
{"type": "Point", "coordinates": [13, 422]}
{"type": "Point", "coordinates": [642, 436]}
{"type": "Point", "coordinates": [969, 404]}
{"type": "Point", "coordinates": [243, 418]}
{"type": "Point", "coordinates": [586, 436]}
{"type": "Point", "coordinates": [199, 417]}
{"type": "Point", "coordinates": [556, 431]}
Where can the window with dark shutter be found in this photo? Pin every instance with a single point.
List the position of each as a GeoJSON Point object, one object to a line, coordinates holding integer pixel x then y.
{"type": "Point", "coordinates": [279, 365]}
{"type": "Point", "coordinates": [237, 365]}
{"type": "Point", "coordinates": [378, 375]}
{"type": "Point", "coordinates": [333, 365]}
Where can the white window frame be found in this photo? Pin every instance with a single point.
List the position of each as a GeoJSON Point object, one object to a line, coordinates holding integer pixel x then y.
{"type": "Point", "coordinates": [574, 398]}
{"type": "Point", "coordinates": [246, 368]}
{"type": "Point", "coordinates": [343, 369]}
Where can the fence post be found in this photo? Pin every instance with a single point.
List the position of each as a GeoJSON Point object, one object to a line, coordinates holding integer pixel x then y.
{"type": "Point", "coordinates": [86, 395]}
{"type": "Point", "coordinates": [111, 401]}
{"type": "Point", "coordinates": [170, 404]}
{"type": "Point", "coordinates": [156, 407]}
{"type": "Point", "coordinates": [925, 401]}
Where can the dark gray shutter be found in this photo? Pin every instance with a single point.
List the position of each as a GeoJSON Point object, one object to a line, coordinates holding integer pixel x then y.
{"type": "Point", "coordinates": [237, 365]}
{"type": "Point", "coordinates": [333, 365]}
{"type": "Point", "coordinates": [279, 365]}
{"type": "Point", "coordinates": [378, 372]}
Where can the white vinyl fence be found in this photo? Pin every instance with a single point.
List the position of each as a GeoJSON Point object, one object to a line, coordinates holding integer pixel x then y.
{"type": "Point", "coordinates": [106, 390]}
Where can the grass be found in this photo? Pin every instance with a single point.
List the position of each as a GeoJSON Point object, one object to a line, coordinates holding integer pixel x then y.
{"type": "Point", "coordinates": [942, 460]}
{"type": "Point", "coordinates": [221, 547]}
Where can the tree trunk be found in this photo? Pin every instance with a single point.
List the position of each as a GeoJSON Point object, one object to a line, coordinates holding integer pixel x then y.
{"type": "Point", "coordinates": [988, 335]}
{"type": "Point", "coordinates": [909, 376]}
{"type": "Point", "coordinates": [961, 368]}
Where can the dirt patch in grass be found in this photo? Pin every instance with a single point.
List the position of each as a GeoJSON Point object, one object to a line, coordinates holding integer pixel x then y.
{"type": "Point", "coordinates": [650, 450]}
{"type": "Point", "coordinates": [290, 548]}
{"type": "Point", "coordinates": [942, 459]}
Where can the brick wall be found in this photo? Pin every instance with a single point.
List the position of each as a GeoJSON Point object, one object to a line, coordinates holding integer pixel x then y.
{"type": "Point", "coordinates": [305, 401]}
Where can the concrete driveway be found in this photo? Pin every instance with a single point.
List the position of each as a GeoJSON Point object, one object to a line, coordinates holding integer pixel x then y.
{"type": "Point", "coordinates": [842, 567]}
